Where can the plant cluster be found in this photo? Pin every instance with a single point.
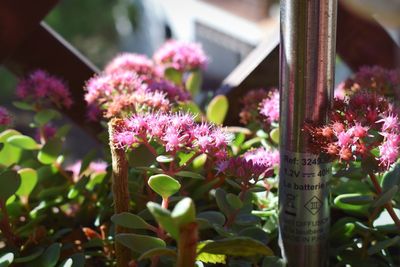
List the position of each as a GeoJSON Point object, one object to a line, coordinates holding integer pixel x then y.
{"type": "Point", "coordinates": [176, 187]}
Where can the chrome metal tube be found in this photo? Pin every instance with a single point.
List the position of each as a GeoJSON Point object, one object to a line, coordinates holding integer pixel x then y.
{"type": "Point", "coordinates": [307, 61]}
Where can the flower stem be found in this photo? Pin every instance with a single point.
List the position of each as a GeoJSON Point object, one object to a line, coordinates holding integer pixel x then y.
{"type": "Point", "coordinates": [120, 193]}
{"type": "Point", "coordinates": [187, 245]}
{"type": "Point", "coordinates": [11, 239]}
{"type": "Point", "coordinates": [387, 205]}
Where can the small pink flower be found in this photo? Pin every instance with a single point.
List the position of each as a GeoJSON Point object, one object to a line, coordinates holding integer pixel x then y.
{"type": "Point", "coordinates": [132, 63]}
{"type": "Point", "coordinates": [41, 87]}
{"type": "Point", "coordinates": [181, 56]}
{"type": "Point", "coordinates": [345, 139]}
{"type": "Point", "coordinates": [172, 91]}
{"type": "Point", "coordinates": [359, 131]}
{"type": "Point", "coordinates": [389, 149]}
{"type": "Point", "coordinates": [269, 107]}
{"type": "Point", "coordinates": [5, 117]}
{"type": "Point", "coordinates": [267, 157]}
{"type": "Point", "coordinates": [390, 122]}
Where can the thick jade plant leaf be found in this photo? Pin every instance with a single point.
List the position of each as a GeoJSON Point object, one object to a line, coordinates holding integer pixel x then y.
{"type": "Point", "coordinates": [140, 243]}
{"type": "Point", "coordinates": [238, 247]}
{"type": "Point", "coordinates": [6, 259]}
{"type": "Point", "coordinates": [173, 75]}
{"type": "Point", "coordinates": [217, 109]}
{"type": "Point", "coordinates": [129, 220]}
{"type": "Point", "coordinates": [45, 116]}
{"type": "Point", "coordinates": [209, 257]}
{"type": "Point", "coordinates": [23, 141]}
{"type": "Point", "coordinates": [391, 178]}
{"type": "Point", "coordinates": [50, 152]}
{"type": "Point", "coordinates": [76, 260]}
{"type": "Point", "coordinates": [164, 185]}
{"type": "Point", "coordinates": [274, 134]}
{"type": "Point", "coordinates": [10, 181]}
{"type": "Point", "coordinates": [164, 218]}
{"type": "Point", "coordinates": [50, 256]}
{"type": "Point", "coordinates": [193, 82]}
{"type": "Point", "coordinates": [29, 179]}
{"type": "Point", "coordinates": [184, 212]}
{"type": "Point", "coordinates": [158, 252]}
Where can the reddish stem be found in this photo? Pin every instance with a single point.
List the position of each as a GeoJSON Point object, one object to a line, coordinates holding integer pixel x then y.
{"type": "Point", "coordinates": [387, 205]}
{"type": "Point", "coordinates": [11, 238]}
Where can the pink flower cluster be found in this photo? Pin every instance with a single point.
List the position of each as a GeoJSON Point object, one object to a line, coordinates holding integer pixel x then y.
{"type": "Point", "coordinates": [175, 132]}
{"type": "Point", "coordinates": [130, 62]}
{"type": "Point", "coordinates": [5, 117]}
{"type": "Point", "coordinates": [181, 56]}
{"type": "Point", "coordinates": [380, 80]}
{"type": "Point", "coordinates": [122, 93]}
{"type": "Point", "coordinates": [250, 167]}
{"type": "Point", "coordinates": [360, 123]}
{"type": "Point", "coordinates": [269, 107]}
{"type": "Point", "coordinates": [41, 87]}
{"type": "Point", "coordinates": [263, 156]}
{"type": "Point", "coordinates": [260, 108]}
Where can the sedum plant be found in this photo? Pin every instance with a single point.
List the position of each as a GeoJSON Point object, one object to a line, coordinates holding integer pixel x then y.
{"type": "Point", "coordinates": [177, 188]}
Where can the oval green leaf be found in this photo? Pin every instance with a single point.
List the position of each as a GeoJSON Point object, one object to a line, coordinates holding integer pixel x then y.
{"type": "Point", "coordinates": [238, 247]}
{"type": "Point", "coordinates": [129, 220]}
{"type": "Point", "coordinates": [274, 134]}
{"type": "Point", "coordinates": [184, 212]}
{"type": "Point", "coordinates": [164, 185]}
{"type": "Point", "coordinates": [234, 201]}
{"type": "Point", "coordinates": [165, 158]}
{"type": "Point", "coordinates": [193, 82]}
{"type": "Point", "coordinates": [158, 252]}
{"type": "Point", "coordinates": [34, 254]}
{"type": "Point", "coordinates": [9, 184]}
{"type": "Point", "coordinates": [23, 141]}
{"type": "Point", "coordinates": [7, 134]}
{"type": "Point", "coordinates": [163, 217]}
{"type": "Point", "coordinates": [45, 116]}
{"type": "Point", "coordinates": [29, 179]}
{"type": "Point", "coordinates": [217, 109]}
{"type": "Point", "coordinates": [50, 152]}
{"type": "Point", "coordinates": [140, 243]}
{"type": "Point", "coordinates": [6, 259]}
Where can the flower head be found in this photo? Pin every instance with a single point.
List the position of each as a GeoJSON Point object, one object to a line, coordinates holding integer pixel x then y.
{"type": "Point", "coordinates": [5, 117]}
{"type": "Point", "coordinates": [173, 131]}
{"type": "Point", "coordinates": [41, 87]}
{"type": "Point", "coordinates": [268, 157]}
{"type": "Point", "coordinates": [130, 62]}
{"type": "Point", "coordinates": [181, 56]}
{"type": "Point", "coordinates": [269, 107]}
{"type": "Point", "coordinates": [173, 92]}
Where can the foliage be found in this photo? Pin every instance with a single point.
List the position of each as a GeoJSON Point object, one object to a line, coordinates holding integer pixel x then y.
{"type": "Point", "coordinates": [198, 191]}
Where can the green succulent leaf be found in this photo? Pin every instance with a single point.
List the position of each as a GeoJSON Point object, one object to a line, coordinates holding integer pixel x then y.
{"type": "Point", "coordinates": [23, 105]}
{"type": "Point", "coordinates": [234, 201]}
{"type": "Point", "coordinates": [6, 259]}
{"type": "Point", "coordinates": [386, 196]}
{"type": "Point", "coordinates": [190, 174]}
{"type": "Point", "coordinates": [173, 75]}
{"type": "Point", "coordinates": [7, 134]}
{"type": "Point", "coordinates": [193, 82]}
{"type": "Point", "coordinates": [23, 142]}
{"type": "Point", "coordinates": [164, 218]}
{"type": "Point", "coordinates": [184, 212]}
{"type": "Point", "coordinates": [50, 256]}
{"type": "Point", "coordinates": [238, 247]}
{"type": "Point", "coordinates": [391, 178]}
{"type": "Point", "coordinates": [223, 205]}
{"type": "Point", "coordinates": [45, 116]}
{"type": "Point", "coordinates": [129, 220]}
{"type": "Point", "coordinates": [158, 252]}
{"type": "Point", "coordinates": [213, 217]}
{"type": "Point", "coordinates": [140, 243]}
{"type": "Point", "coordinates": [165, 158]}
{"type": "Point", "coordinates": [10, 181]}
{"type": "Point", "coordinates": [274, 134]}
{"type": "Point", "coordinates": [76, 260]}
{"type": "Point", "coordinates": [208, 257]}
{"type": "Point", "coordinates": [50, 152]}
{"type": "Point", "coordinates": [33, 255]}
{"type": "Point", "coordinates": [217, 109]}
{"type": "Point", "coordinates": [164, 185]}
{"type": "Point", "coordinates": [29, 180]}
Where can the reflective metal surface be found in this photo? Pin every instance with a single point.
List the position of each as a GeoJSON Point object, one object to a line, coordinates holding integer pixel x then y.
{"type": "Point", "coordinates": [307, 56]}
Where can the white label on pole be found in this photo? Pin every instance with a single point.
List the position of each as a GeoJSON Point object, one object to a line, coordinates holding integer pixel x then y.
{"type": "Point", "coordinates": [303, 196]}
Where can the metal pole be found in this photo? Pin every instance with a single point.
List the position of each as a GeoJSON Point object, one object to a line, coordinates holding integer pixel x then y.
{"type": "Point", "coordinates": [307, 61]}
